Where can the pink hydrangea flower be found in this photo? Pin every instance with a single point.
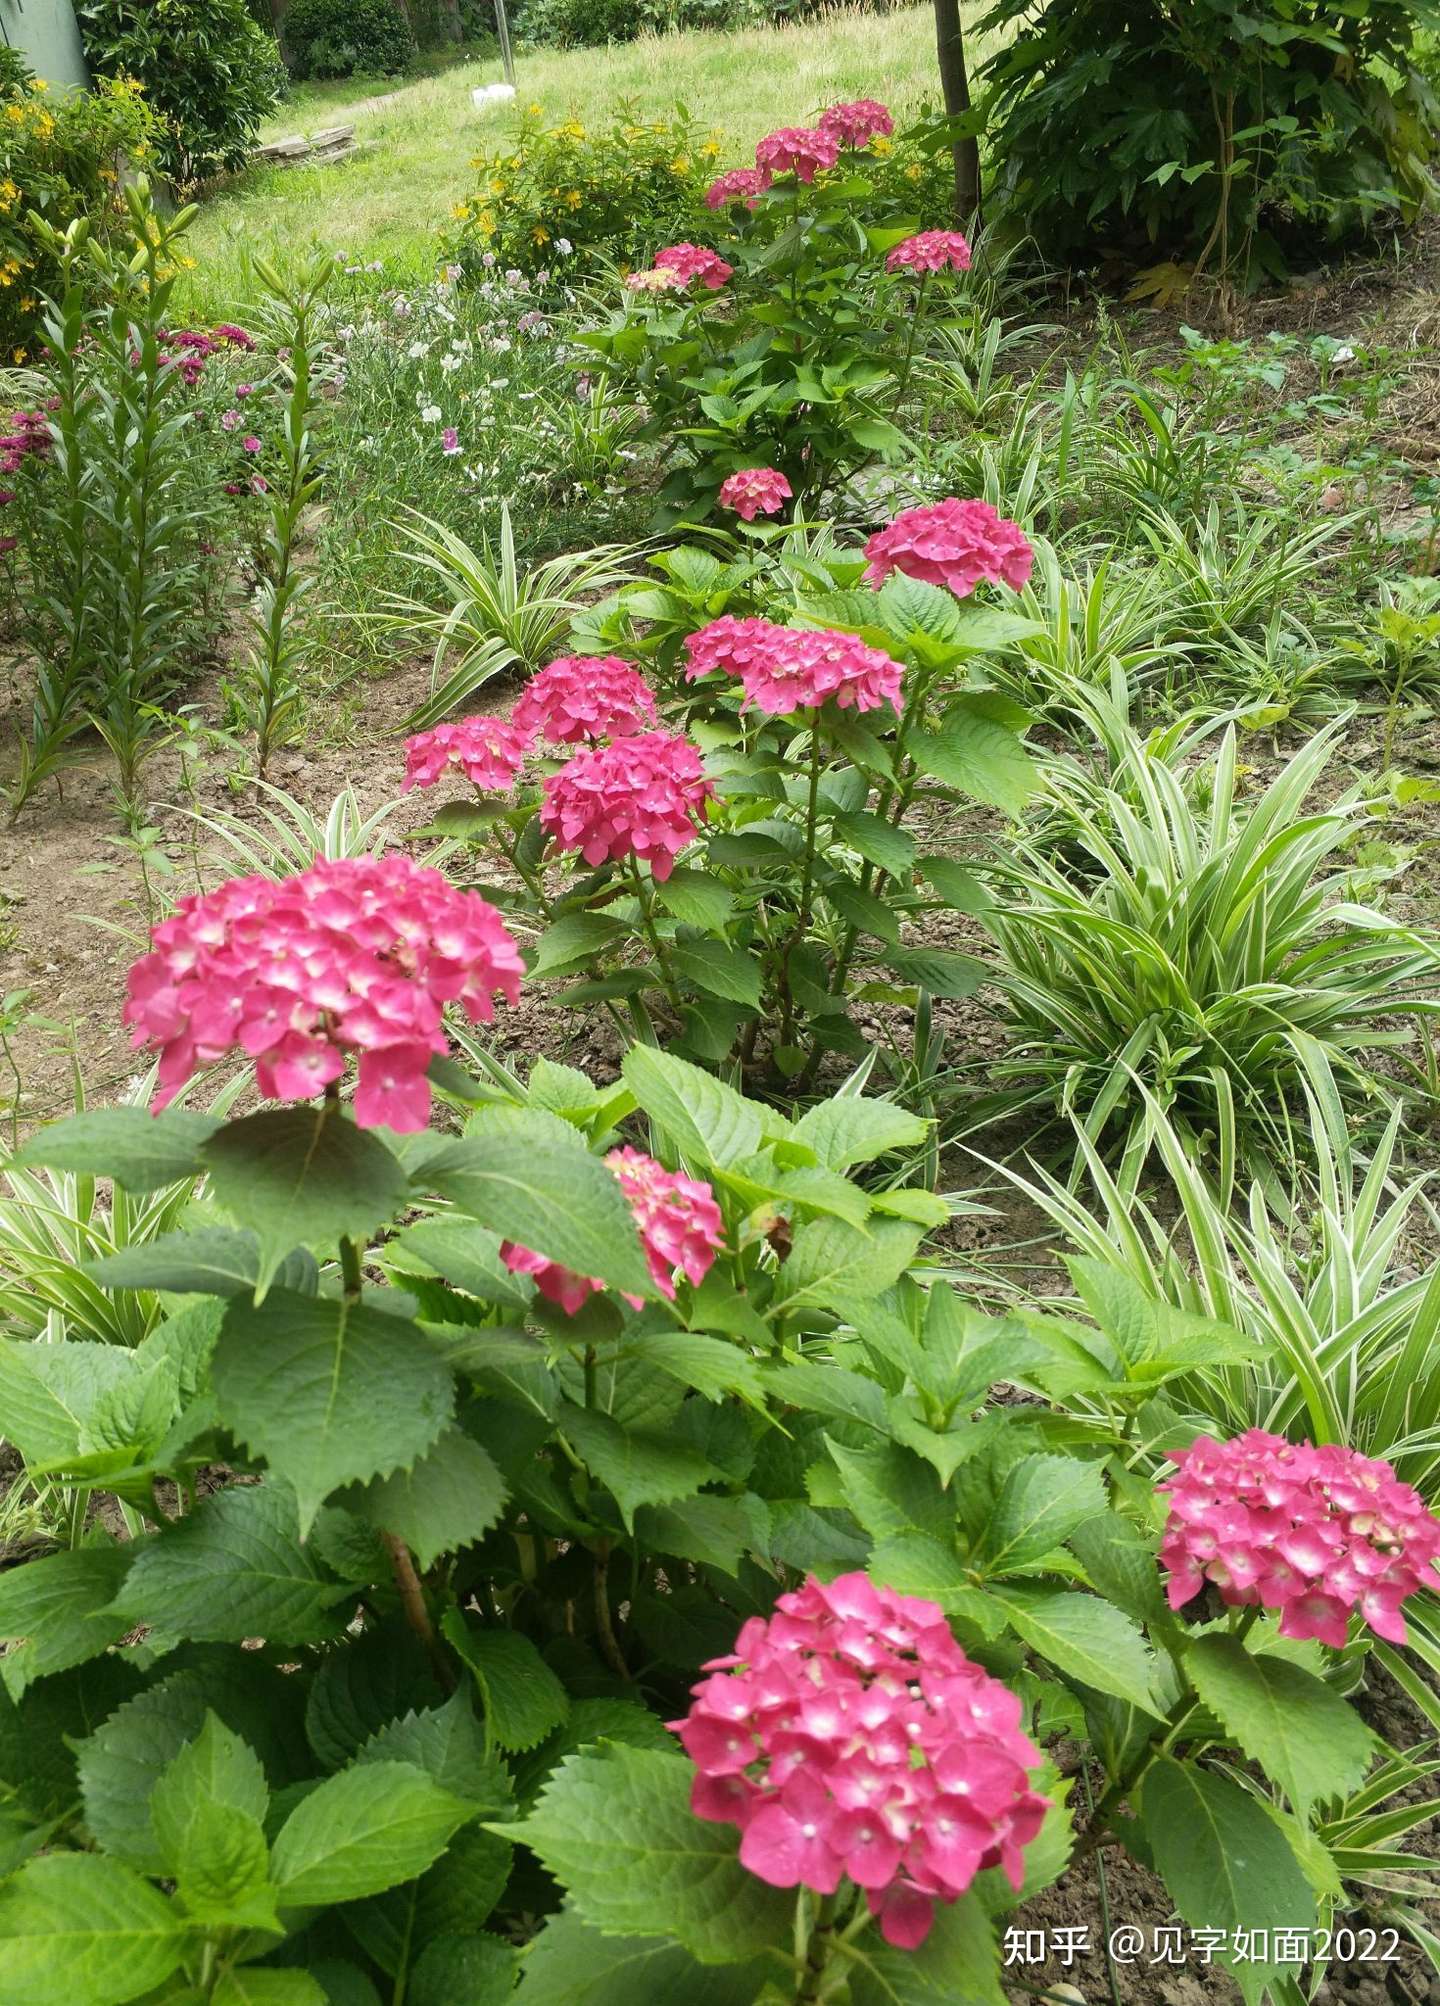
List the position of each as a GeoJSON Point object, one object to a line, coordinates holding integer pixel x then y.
{"type": "Point", "coordinates": [849, 1735]}
{"type": "Point", "coordinates": [739, 184]}
{"type": "Point", "coordinates": [678, 1220]}
{"type": "Point", "coordinates": [489, 752]}
{"type": "Point", "coordinates": [952, 543]}
{"type": "Point", "coordinates": [357, 955]}
{"type": "Point", "coordinates": [931, 251]}
{"type": "Point", "coordinates": [642, 796]}
{"type": "Point", "coordinates": [583, 697]}
{"type": "Point", "coordinates": [858, 123]}
{"type": "Point", "coordinates": [1312, 1532]}
{"type": "Point", "coordinates": [693, 261]}
{"type": "Point", "coordinates": [755, 491]}
{"type": "Point", "coordinates": [785, 669]}
{"type": "Point", "coordinates": [802, 150]}
{"type": "Point", "coordinates": [657, 279]}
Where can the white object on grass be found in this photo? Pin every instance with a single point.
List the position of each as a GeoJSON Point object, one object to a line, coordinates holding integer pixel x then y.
{"type": "Point", "coordinates": [490, 94]}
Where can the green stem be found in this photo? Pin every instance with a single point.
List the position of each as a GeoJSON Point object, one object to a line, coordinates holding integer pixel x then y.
{"type": "Point", "coordinates": [350, 1269]}
{"type": "Point", "coordinates": [647, 921]}
{"type": "Point", "coordinates": [817, 1952]}
{"type": "Point", "coordinates": [914, 329]}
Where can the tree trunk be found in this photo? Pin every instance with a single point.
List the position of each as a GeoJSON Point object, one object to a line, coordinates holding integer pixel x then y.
{"type": "Point", "coordinates": [955, 84]}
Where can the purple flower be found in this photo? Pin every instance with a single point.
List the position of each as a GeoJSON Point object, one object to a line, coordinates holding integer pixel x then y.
{"type": "Point", "coordinates": [250, 443]}
{"type": "Point", "coordinates": [449, 440]}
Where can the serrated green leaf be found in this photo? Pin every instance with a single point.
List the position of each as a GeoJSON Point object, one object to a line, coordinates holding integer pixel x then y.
{"type": "Point", "coordinates": [49, 1391]}
{"type": "Point", "coordinates": [879, 841]}
{"type": "Point", "coordinates": [363, 1831]}
{"type": "Point", "coordinates": [302, 1176]}
{"type": "Point", "coordinates": [831, 1261]}
{"type": "Point", "coordinates": [83, 1930]}
{"type": "Point", "coordinates": [1084, 1639]}
{"type": "Point", "coordinates": [720, 970]}
{"type": "Point", "coordinates": [572, 942]}
{"type": "Point", "coordinates": [452, 1496]}
{"type": "Point", "coordinates": [711, 1531]}
{"type": "Point", "coordinates": [696, 898]}
{"type": "Point", "coordinates": [140, 1150]}
{"type": "Point", "coordinates": [1225, 1861]}
{"type": "Point", "coordinates": [851, 1128]}
{"type": "Point", "coordinates": [939, 970]}
{"type": "Point", "coordinates": [713, 1367]}
{"type": "Point", "coordinates": [328, 1392]}
{"type": "Point", "coordinates": [465, 1255]}
{"type": "Point", "coordinates": [953, 883]}
{"type": "Point", "coordinates": [256, 1985]}
{"type": "Point", "coordinates": [891, 1491]}
{"type": "Point", "coordinates": [522, 1698]}
{"type": "Point", "coordinates": [570, 1964]}
{"type": "Point", "coordinates": [528, 1176]}
{"type": "Point", "coordinates": [466, 1970]}
{"type": "Point", "coordinates": [917, 1565]}
{"type": "Point", "coordinates": [448, 1743]}
{"type": "Point", "coordinates": [1300, 1731]}
{"type": "Point", "coordinates": [708, 1121]}
{"type": "Point", "coordinates": [58, 1611]}
{"type": "Point", "coordinates": [978, 754]}
{"type": "Point", "coordinates": [365, 1685]}
{"type": "Point", "coordinates": [616, 1829]}
{"type": "Point", "coordinates": [958, 1961]}
{"type": "Point", "coordinates": [215, 1261]}
{"type": "Point", "coordinates": [1120, 1564]}
{"type": "Point", "coordinates": [635, 1466]}
{"type": "Point", "coordinates": [1041, 1501]}
{"type": "Point", "coordinates": [234, 1569]}
{"type": "Point", "coordinates": [216, 1768]}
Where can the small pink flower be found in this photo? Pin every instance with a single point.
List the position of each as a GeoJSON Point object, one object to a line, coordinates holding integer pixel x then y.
{"type": "Point", "coordinates": [489, 752]}
{"type": "Point", "coordinates": [1312, 1532]}
{"type": "Point", "coordinates": [449, 441]}
{"type": "Point", "coordinates": [250, 443]}
{"type": "Point", "coordinates": [658, 279]}
{"type": "Point", "coordinates": [755, 491]}
{"type": "Point", "coordinates": [857, 124]}
{"type": "Point", "coordinates": [641, 796]}
{"type": "Point", "coordinates": [582, 697]}
{"type": "Point", "coordinates": [849, 1735]}
{"type": "Point", "coordinates": [229, 420]}
{"type": "Point", "coordinates": [244, 389]}
{"type": "Point", "coordinates": [7, 544]}
{"type": "Point", "coordinates": [259, 485]}
{"type": "Point", "coordinates": [797, 149]}
{"type": "Point", "coordinates": [930, 251]}
{"type": "Point", "coordinates": [693, 261]}
{"type": "Point", "coordinates": [357, 955]}
{"type": "Point", "coordinates": [951, 543]}
{"type": "Point", "coordinates": [740, 184]}
{"type": "Point", "coordinates": [232, 336]}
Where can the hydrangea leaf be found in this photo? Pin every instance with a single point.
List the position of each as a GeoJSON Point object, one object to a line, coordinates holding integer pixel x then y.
{"type": "Point", "coordinates": [86, 1930]}
{"type": "Point", "coordinates": [363, 1831]}
{"type": "Point", "coordinates": [522, 1697]}
{"type": "Point", "coordinates": [1299, 1730]}
{"type": "Point", "coordinates": [59, 1611]}
{"type": "Point", "coordinates": [571, 1964]}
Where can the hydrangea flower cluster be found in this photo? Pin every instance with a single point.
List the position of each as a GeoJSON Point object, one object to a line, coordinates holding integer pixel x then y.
{"type": "Point", "coordinates": [802, 150]}
{"type": "Point", "coordinates": [848, 1734]}
{"type": "Point", "coordinates": [1312, 1532]}
{"type": "Point", "coordinates": [356, 955]}
{"type": "Point", "coordinates": [952, 543]}
{"type": "Point", "coordinates": [930, 251]}
{"type": "Point", "coordinates": [582, 697]}
{"type": "Point", "coordinates": [739, 184]}
{"type": "Point", "coordinates": [856, 124]}
{"type": "Point", "coordinates": [655, 279]}
{"type": "Point", "coordinates": [640, 796]}
{"type": "Point", "coordinates": [489, 752]}
{"type": "Point", "coordinates": [678, 1220]}
{"type": "Point", "coordinates": [785, 669]}
{"type": "Point", "coordinates": [693, 261]}
{"type": "Point", "coordinates": [755, 491]}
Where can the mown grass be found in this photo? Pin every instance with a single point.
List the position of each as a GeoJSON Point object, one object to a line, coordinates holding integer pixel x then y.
{"type": "Point", "coordinates": [388, 200]}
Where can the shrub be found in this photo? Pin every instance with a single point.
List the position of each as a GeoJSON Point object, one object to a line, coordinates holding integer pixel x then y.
{"type": "Point", "coordinates": [616, 192]}
{"type": "Point", "coordinates": [1216, 132]}
{"type": "Point", "coordinates": [337, 38]}
{"type": "Point", "coordinates": [208, 68]}
{"type": "Point", "coordinates": [59, 158]}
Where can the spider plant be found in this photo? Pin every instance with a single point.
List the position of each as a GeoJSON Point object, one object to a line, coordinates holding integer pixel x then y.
{"type": "Point", "coordinates": [289, 836]}
{"type": "Point", "coordinates": [492, 615]}
{"type": "Point", "coordinates": [1202, 947]}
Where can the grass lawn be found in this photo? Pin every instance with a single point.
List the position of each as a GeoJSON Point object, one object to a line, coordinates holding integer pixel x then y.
{"type": "Point", "coordinates": [743, 84]}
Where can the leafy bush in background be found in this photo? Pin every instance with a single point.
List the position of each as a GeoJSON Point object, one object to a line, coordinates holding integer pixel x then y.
{"type": "Point", "coordinates": [337, 38]}
{"type": "Point", "coordinates": [1218, 132]}
{"type": "Point", "coordinates": [208, 68]}
{"type": "Point", "coordinates": [60, 158]}
{"type": "Point", "coordinates": [618, 190]}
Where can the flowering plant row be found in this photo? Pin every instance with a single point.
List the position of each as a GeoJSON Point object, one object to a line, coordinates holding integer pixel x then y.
{"type": "Point", "coordinates": [784, 343]}
{"type": "Point", "coordinates": [728, 770]}
{"type": "Point", "coordinates": [616, 1485]}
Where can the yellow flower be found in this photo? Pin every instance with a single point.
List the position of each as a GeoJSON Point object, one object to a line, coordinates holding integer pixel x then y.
{"type": "Point", "coordinates": [27, 305]}
{"type": "Point", "coordinates": [680, 164]}
{"type": "Point", "coordinates": [573, 198]}
{"type": "Point", "coordinates": [460, 211]}
{"type": "Point", "coordinates": [572, 129]}
{"type": "Point", "coordinates": [497, 186]}
{"type": "Point", "coordinates": [39, 86]}
{"type": "Point", "coordinates": [539, 235]}
{"type": "Point", "coordinates": [15, 113]}
{"type": "Point", "coordinates": [5, 279]}
{"type": "Point", "coordinates": [711, 149]}
{"type": "Point", "coordinates": [17, 355]}
{"type": "Point", "coordinates": [881, 145]}
{"type": "Point", "coordinates": [533, 111]}
{"type": "Point", "coordinates": [913, 173]}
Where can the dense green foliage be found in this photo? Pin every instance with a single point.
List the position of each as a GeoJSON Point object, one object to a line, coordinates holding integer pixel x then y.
{"type": "Point", "coordinates": [342, 38]}
{"type": "Point", "coordinates": [207, 67]}
{"type": "Point", "coordinates": [1218, 131]}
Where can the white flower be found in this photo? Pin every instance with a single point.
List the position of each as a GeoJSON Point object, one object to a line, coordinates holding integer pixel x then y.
{"type": "Point", "coordinates": [501, 383]}
{"type": "Point", "coordinates": [417, 349]}
{"type": "Point", "coordinates": [1343, 354]}
{"type": "Point", "coordinates": [449, 363]}
{"type": "Point", "coordinates": [564, 246]}
{"type": "Point", "coordinates": [431, 414]}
